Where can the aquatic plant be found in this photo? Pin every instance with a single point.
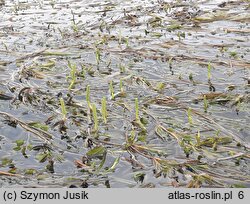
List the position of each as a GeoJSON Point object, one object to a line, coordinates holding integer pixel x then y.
{"type": "Point", "coordinates": [74, 24]}
{"type": "Point", "coordinates": [198, 139]}
{"type": "Point", "coordinates": [72, 74]}
{"type": "Point", "coordinates": [137, 117]}
{"type": "Point", "coordinates": [160, 86]}
{"type": "Point", "coordinates": [127, 42]}
{"type": "Point", "coordinates": [122, 68]}
{"type": "Point", "coordinates": [82, 73]}
{"type": "Point", "coordinates": [181, 35]}
{"type": "Point", "coordinates": [233, 54]}
{"type": "Point", "coordinates": [121, 86]}
{"type": "Point", "coordinates": [112, 168]}
{"type": "Point", "coordinates": [115, 130]}
{"type": "Point", "coordinates": [88, 97]}
{"type": "Point", "coordinates": [97, 55]}
{"type": "Point", "coordinates": [104, 110]}
{"type": "Point", "coordinates": [190, 119]}
{"type": "Point", "coordinates": [191, 78]}
{"type": "Point", "coordinates": [111, 90]}
{"type": "Point", "coordinates": [63, 109]}
{"type": "Point", "coordinates": [173, 27]}
{"type": "Point", "coordinates": [95, 118]}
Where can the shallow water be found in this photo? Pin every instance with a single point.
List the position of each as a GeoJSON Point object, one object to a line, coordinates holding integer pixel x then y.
{"type": "Point", "coordinates": [160, 51]}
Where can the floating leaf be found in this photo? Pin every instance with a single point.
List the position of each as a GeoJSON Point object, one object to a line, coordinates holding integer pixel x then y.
{"type": "Point", "coordinates": [209, 71]}
{"type": "Point", "coordinates": [23, 150]}
{"type": "Point", "coordinates": [139, 177]}
{"type": "Point", "coordinates": [42, 157]}
{"type": "Point", "coordinates": [72, 74]}
{"type": "Point", "coordinates": [29, 147]}
{"type": "Point", "coordinates": [63, 108]}
{"type": "Point", "coordinates": [12, 171]}
{"type": "Point", "coordinates": [95, 118]}
{"type": "Point", "coordinates": [39, 126]}
{"type": "Point", "coordinates": [137, 117]}
{"type": "Point", "coordinates": [88, 96]}
{"type": "Point", "coordinates": [97, 151]}
{"type": "Point", "coordinates": [102, 162]}
{"type": "Point", "coordinates": [239, 185]}
{"type": "Point", "coordinates": [198, 138]}
{"type": "Point", "coordinates": [214, 141]}
{"type": "Point", "coordinates": [30, 171]}
{"type": "Point", "coordinates": [49, 64]}
{"type": "Point", "coordinates": [6, 161]}
{"type": "Point", "coordinates": [97, 55]}
{"type": "Point", "coordinates": [50, 166]}
{"type": "Point", "coordinates": [19, 142]}
{"type": "Point", "coordinates": [111, 90]}
{"type": "Point", "coordinates": [41, 177]}
{"type": "Point", "coordinates": [112, 168]}
{"type": "Point", "coordinates": [104, 110]}
{"type": "Point", "coordinates": [55, 53]}
{"type": "Point", "coordinates": [142, 136]}
{"type": "Point", "coordinates": [17, 148]}
{"type": "Point", "coordinates": [173, 27]}
{"type": "Point", "coordinates": [160, 86]}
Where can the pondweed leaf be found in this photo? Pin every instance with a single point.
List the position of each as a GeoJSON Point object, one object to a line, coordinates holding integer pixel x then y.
{"type": "Point", "coordinates": [112, 168]}
{"type": "Point", "coordinates": [30, 171]}
{"type": "Point", "coordinates": [39, 125]}
{"type": "Point", "coordinates": [139, 177]}
{"type": "Point", "coordinates": [19, 142]}
{"type": "Point", "coordinates": [42, 157]}
{"type": "Point", "coordinates": [97, 151]}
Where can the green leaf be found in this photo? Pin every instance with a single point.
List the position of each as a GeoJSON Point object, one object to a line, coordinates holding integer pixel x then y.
{"type": "Point", "coordinates": [173, 27]}
{"type": "Point", "coordinates": [88, 96]}
{"type": "Point", "coordinates": [142, 136]}
{"type": "Point", "coordinates": [238, 185]}
{"type": "Point", "coordinates": [29, 147]}
{"type": "Point", "coordinates": [24, 148]}
{"type": "Point", "coordinates": [111, 90]}
{"type": "Point", "coordinates": [42, 157]}
{"type": "Point", "coordinates": [132, 137]}
{"type": "Point", "coordinates": [104, 110]}
{"type": "Point", "coordinates": [30, 171]}
{"type": "Point", "coordinates": [209, 71]}
{"type": "Point", "coordinates": [59, 158]}
{"type": "Point", "coordinates": [144, 121]}
{"type": "Point", "coordinates": [41, 177]}
{"type": "Point", "coordinates": [6, 161]}
{"type": "Point", "coordinates": [139, 177]}
{"type": "Point", "coordinates": [95, 118]}
{"type": "Point", "coordinates": [137, 117]}
{"type": "Point", "coordinates": [198, 138]}
{"type": "Point", "coordinates": [39, 126]}
{"type": "Point", "coordinates": [17, 148]}
{"type": "Point", "coordinates": [63, 109]}
{"type": "Point", "coordinates": [12, 171]}
{"type": "Point", "coordinates": [19, 142]}
{"type": "Point", "coordinates": [160, 86]}
{"type": "Point", "coordinates": [102, 162]}
{"type": "Point", "coordinates": [97, 151]}
{"type": "Point", "coordinates": [112, 168]}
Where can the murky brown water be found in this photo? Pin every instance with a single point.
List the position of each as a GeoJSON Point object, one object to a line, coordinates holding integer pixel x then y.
{"type": "Point", "coordinates": [160, 51]}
